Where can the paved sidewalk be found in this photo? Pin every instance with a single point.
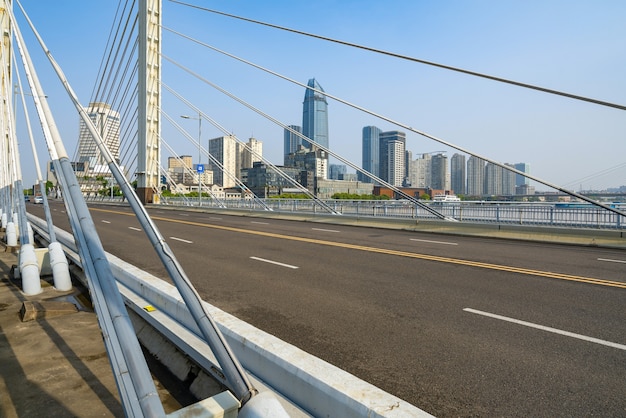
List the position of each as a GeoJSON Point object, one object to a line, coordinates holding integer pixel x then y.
{"type": "Point", "coordinates": [54, 362]}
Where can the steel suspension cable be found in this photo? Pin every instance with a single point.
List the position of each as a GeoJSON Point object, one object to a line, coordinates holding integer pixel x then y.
{"type": "Point", "coordinates": [387, 119]}
{"type": "Point", "coordinates": [300, 135]}
{"type": "Point", "coordinates": [412, 59]}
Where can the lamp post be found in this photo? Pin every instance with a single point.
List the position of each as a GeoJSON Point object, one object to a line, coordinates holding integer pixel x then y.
{"type": "Point", "coordinates": [199, 172]}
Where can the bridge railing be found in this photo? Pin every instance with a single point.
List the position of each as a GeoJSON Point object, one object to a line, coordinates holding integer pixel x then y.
{"type": "Point", "coordinates": [522, 213]}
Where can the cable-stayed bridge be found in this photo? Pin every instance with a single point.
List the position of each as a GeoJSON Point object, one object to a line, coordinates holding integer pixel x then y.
{"type": "Point", "coordinates": [131, 80]}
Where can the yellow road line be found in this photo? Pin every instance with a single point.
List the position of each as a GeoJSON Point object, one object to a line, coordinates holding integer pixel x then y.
{"type": "Point", "coordinates": [469, 263]}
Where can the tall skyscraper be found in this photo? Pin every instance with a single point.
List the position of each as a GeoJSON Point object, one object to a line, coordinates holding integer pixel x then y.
{"type": "Point", "coordinates": [107, 122]}
{"type": "Point", "coordinates": [291, 141]}
{"type": "Point", "coordinates": [224, 150]}
{"type": "Point", "coordinates": [457, 173]}
{"type": "Point", "coordinates": [475, 176]}
{"type": "Point", "coordinates": [315, 115]}
{"type": "Point", "coordinates": [439, 172]}
{"type": "Point", "coordinates": [519, 179]}
{"type": "Point", "coordinates": [371, 153]}
{"type": "Point", "coordinates": [392, 147]}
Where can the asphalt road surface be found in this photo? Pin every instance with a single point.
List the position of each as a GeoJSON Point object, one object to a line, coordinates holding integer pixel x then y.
{"type": "Point", "coordinates": [458, 326]}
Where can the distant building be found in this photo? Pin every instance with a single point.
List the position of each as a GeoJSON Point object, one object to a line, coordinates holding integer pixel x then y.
{"type": "Point", "coordinates": [525, 189]}
{"type": "Point", "coordinates": [422, 172]}
{"type": "Point", "coordinates": [493, 180]}
{"type": "Point", "coordinates": [415, 192]}
{"type": "Point", "coordinates": [392, 147]}
{"type": "Point", "coordinates": [524, 168]}
{"type": "Point", "coordinates": [337, 170]}
{"type": "Point", "coordinates": [107, 124]}
{"type": "Point", "coordinates": [251, 153]}
{"type": "Point", "coordinates": [224, 150]}
{"type": "Point", "coordinates": [264, 181]}
{"type": "Point", "coordinates": [508, 181]}
{"type": "Point", "coordinates": [292, 142]}
{"type": "Point", "coordinates": [370, 160]}
{"type": "Point", "coordinates": [457, 174]}
{"type": "Point", "coordinates": [439, 177]}
{"type": "Point", "coordinates": [177, 162]}
{"type": "Point", "coordinates": [325, 189]}
{"type": "Point", "coordinates": [348, 177]}
{"type": "Point", "coordinates": [475, 176]}
{"type": "Point", "coordinates": [315, 118]}
{"type": "Point", "coordinates": [314, 161]}
{"type": "Point", "coordinates": [180, 170]}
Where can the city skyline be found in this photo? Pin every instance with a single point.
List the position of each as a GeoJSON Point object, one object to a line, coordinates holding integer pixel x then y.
{"type": "Point", "coordinates": [574, 47]}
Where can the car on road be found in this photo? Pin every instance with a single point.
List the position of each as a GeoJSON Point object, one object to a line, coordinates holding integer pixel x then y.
{"type": "Point", "coordinates": [38, 199]}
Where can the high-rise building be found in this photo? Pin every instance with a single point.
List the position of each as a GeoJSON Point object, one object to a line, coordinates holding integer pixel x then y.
{"type": "Point", "coordinates": [408, 168]}
{"type": "Point", "coordinates": [291, 141]}
{"type": "Point", "coordinates": [439, 177]}
{"type": "Point", "coordinates": [494, 175]}
{"type": "Point", "coordinates": [371, 153]}
{"type": "Point", "coordinates": [421, 171]}
{"type": "Point", "coordinates": [508, 181]}
{"type": "Point", "coordinates": [519, 179]}
{"type": "Point", "coordinates": [224, 150]}
{"type": "Point", "coordinates": [457, 173]}
{"type": "Point", "coordinates": [475, 176]}
{"type": "Point", "coordinates": [107, 123]}
{"type": "Point", "coordinates": [251, 153]}
{"type": "Point", "coordinates": [315, 119]}
{"type": "Point", "coordinates": [315, 115]}
{"type": "Point", "coordinates": [392, 147]}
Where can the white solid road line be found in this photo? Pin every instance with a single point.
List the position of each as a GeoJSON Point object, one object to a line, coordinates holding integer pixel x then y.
{"type": "Point", "coordinates": [434, 242]}
{"type": "Point", "coordinates": [612, 261]}
{"type": "Point", "coordinates": [325, 230]}
{"type": "Point", "coordinates": [182, 240]}
{"type": "Point", "coordinates": [134, 229]}
{"type": "Point", "coordinates": [274, 262]}
{"type": "Point", "coordinates": [106, 222]}
{"type": "Point", "coordinates": [260, 223]}
{"type": "Point", "coordinates": [549, 329]}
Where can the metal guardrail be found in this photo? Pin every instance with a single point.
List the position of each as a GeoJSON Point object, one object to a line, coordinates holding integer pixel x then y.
{"type": "Point", "coordinates": [571, 215]}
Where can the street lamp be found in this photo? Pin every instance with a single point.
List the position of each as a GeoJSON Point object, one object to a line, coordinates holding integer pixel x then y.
{"type": "Point", "coordinates": [199, 119]}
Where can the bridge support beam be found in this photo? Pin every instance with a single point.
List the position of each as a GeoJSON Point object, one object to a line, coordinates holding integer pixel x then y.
{"type": "Point", "coordinates": [149, 121]}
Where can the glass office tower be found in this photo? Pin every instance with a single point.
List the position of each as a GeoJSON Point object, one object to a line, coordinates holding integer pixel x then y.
{"type": "Point", "coordinates": [371, 153]}
{"type": "Point", "coordinates": [291, 141]}
{"type": "Point", "coordinates": [315, 115]}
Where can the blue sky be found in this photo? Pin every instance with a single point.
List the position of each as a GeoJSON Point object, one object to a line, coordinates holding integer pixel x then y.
{"type": "Point", "coordinates": [575, 46]}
